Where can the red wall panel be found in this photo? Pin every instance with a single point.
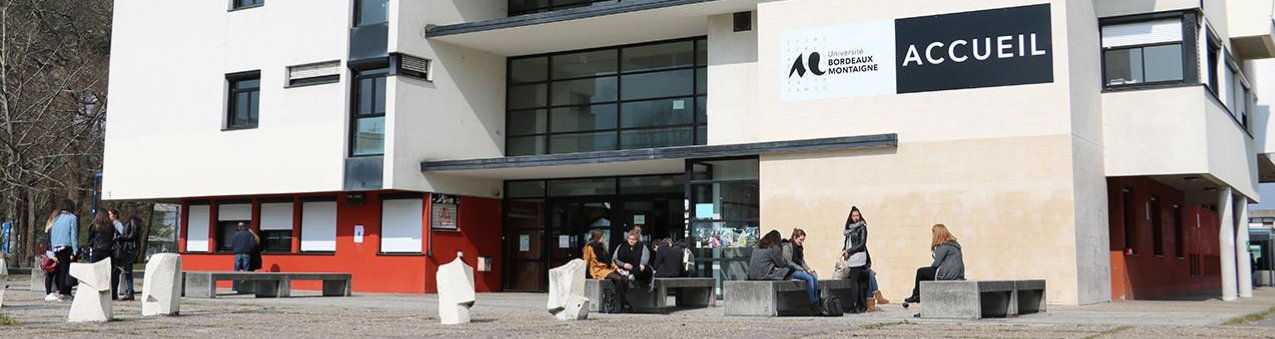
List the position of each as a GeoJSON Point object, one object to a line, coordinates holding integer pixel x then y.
{"type": "Point", "coordinates": [1144, 275]}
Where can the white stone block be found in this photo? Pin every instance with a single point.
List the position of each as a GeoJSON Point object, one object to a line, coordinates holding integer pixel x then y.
{"type": "Point", "coordinates": [566, 291]}
{"type": "Point", "coordinates": [162, 288]}
{"type": "Point", "coordinates": [455, 292]}
{"type": "Point", "coordinates": [93, 296]}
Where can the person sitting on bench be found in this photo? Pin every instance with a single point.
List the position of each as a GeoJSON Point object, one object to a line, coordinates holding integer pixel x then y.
{"type": "Point", "coordinates": [595, 258]}
{"type": "Point", "coordinates": [632, 258]}
{"type": "Point", "coordinates": [767, 263]}
{"type": "Point", "coordinates": [948, 262]}
{"type": "Point", "coordinates": [668, 260]}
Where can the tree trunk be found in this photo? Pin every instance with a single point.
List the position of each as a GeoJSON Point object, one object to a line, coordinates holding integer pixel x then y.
{"type": "Point", "coordinates": [146, 234]}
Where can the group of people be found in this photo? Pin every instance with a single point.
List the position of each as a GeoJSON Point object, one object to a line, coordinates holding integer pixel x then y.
{"type": "Point", "coordinates": [632, 263]}
{"type": "Point", "coordinates": [779, 259]}
{"type": "Point", "coordinates": [109, 236]}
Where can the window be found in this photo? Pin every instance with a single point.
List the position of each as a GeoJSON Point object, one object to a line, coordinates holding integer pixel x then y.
{"type": "Point", "coordinates": [228, 218]}
{"type": "Point", "coordinates": [1130, 234]}
{"type": "Point", "coordinates": [724, 212]}
{"type": "Point", "coordinates": [369, 12]}
{"type": "Point", "coordinates": [1177, 232]}
{"type": "Point", "coordinates": [367, 135]}
{"type": "Point", "coordinates": [1157, 231]}
{"type": "Point", "coordinates": [318, 226]}
{"type": "Point", "coordinates": [1238, 97]}
{"type": "Point", "coordinates": [197, 218]}
{"type": "Point", "coordinates": [241, 4]}
{"type": "Point", "coordinates": [245, 97]}
{"type": "Point", "coordinates": [316, 73]}
{"type": "Point", "coordinates": [639, 96]}
{"type": "Point", "coordinates": [401, 224]}
{"type": "Point", "coordinates": [1143, 53]}
{"type": "Point", "coordinates": [520, 7]}
{"type": "Point", "coordinates": [1214, 54]}
{"type": "Point", "coordinates": [276, 227]}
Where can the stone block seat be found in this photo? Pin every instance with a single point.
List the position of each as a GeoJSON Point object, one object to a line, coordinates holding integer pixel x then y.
{"type": "Point", "coordinates": [687, 293]}
{"type": "Point", "coordinates": [264, 284]}
{"type": "Point", "coordinates": [772, 298]}
{"type": "Point", "coordinates": [975, 299]}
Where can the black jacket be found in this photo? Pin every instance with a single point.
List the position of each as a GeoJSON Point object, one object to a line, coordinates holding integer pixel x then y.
{"type": "Point", "coordinates": [101, 244]}
{"type": "Point", "coordinates": [126, 244]}
{"type": "Point", "coordinates": [242, 242]}
{"type": "Point", "coordinates": [668, 261]}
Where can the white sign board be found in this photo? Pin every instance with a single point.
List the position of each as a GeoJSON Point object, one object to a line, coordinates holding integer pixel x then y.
{"type": "Point", "coordinates": [838, 61]}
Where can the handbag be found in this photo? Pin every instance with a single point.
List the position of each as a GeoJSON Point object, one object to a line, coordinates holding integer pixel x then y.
{"type": "Point", "coordinates": [48, 265]}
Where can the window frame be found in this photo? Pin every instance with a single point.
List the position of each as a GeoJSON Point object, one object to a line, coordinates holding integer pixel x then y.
{"type": "Point", "coordinates": [236, 6]}
{"type": "Point", "coordinates": [231, 99]}
{"type": "Point", "coordinates": [336, 208]}
{"type": "Point", "coordinates": [1190, 26]}
{"type": "Point", "coordinates": [1107, 83]}
{"type": "Point", "coordinates": [314, 80]}
{"type": "Point", "coordinates": [358, 15]}
{"type": "Point", "coordinates": [697, 128]}
{"type": "Point", "coordinates": [374, 71]}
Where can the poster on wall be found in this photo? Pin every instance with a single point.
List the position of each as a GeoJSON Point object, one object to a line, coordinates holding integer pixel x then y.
{"type": "Point", "coordinates": [443, 211]}
{"type": "Point", "coordinates": [995, 47]}
{"type": "Point", "coordinates": [358, 234]}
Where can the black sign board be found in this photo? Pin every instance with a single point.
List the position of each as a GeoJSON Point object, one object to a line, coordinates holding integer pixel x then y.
{"type": "Point", "coordinates": [997, 47]}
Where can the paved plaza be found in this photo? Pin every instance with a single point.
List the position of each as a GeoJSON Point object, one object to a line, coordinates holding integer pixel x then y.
{"type": "Point", "coordinates": [499, 315]}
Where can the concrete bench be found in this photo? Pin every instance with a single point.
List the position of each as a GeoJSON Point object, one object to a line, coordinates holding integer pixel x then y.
{"type": "Point", "coordinates": [263, 284]}
{"type": "Point", "coordinates": [975, 299]}
{"type": "Point", "coordinates": [688, 293]}
{"type": "Point", "coordinates": [771, 298]}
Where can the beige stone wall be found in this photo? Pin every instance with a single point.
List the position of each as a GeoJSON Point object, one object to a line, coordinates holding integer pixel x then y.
{"type": "Point", "coordinates": [1008, 200]}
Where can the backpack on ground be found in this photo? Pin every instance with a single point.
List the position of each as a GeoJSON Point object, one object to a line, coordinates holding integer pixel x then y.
{"type": "Point", "coordinates": [830, 307]}
{"type": "Point", "coordinates": [688, 261]}
{"type": "Point", "coordinates": [610, 304]}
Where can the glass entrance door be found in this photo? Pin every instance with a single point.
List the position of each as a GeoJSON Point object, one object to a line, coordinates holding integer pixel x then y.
{"type": "Point", "coordinates": [572, 221]}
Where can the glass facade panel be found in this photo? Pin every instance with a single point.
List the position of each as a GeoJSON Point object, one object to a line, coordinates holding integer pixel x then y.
{"type": "Point", "coordinates": [701, 52]}
{"type": "Point", "coordinates": [525, 189]}
{"type": "Point", "coordinates": [582, 142]}
{"type": "Point", "coordinates": [587, 186]}
{"type": "Point", "coordinates": [602, 101]}
{"type": "Point", "coordinates": [583, 118]}
{"type": "Point", "coordinates": [725, 170]}
{"type": "Point", "coordinates": [525, 145]}
{"type": "Point", "coordinates": [529, 70]}
{"type": "Point", "coordinates": [527, 122]}
{"type": "Point", "coordinates": [678, 54]}
{"type": "Point", "coordinates": [1145, 64]}
{"type": "Point", "coordinates": [657, 85]}
{"type": "Point", "coordinates": [652, 184]}
{"type": "Point", "coordinates": [584, 64]}
{"type": "Point", "coordinates": [583, 91]}
{"type": "Point", "coordinates": [372, 12]}
{"type": "Point", "coordinates": [662, 112]}
{"type": "Point", "coordinates": [665, 137]}
{"type": "Point", "coordinates": [369, 136]}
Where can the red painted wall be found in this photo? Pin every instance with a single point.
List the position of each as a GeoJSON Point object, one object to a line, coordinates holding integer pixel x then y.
{"type": "Point", "coordinates": [479, 223]}
{"type": "Point", "coordinates": [1144, 275]}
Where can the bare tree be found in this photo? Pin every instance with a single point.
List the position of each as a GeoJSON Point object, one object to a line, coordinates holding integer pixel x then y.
{"type": "Point", "coordinates": [53, 69]}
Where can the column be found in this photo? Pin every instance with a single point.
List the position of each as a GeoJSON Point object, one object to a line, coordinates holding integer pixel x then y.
{"type": "Point", "coordinates": [1242, 256]}
{"type": "Point", "coordinates": [1226, 238]}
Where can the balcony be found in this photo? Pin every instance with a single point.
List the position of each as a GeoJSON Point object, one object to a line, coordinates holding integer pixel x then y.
{"type": "Point", "coordinates": [1252, 28]}
{"type": "Point", "coordinates": [599, 24]}
{"type": "Point", "coordinates": [1177, 132]}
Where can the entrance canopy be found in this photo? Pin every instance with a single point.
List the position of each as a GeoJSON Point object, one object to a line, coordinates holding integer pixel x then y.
{"type": "Point", "coordinates": [637, 161]}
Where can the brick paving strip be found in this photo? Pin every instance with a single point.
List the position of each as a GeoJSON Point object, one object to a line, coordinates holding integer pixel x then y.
{"type": "Point", "coordinates": [522, 315]}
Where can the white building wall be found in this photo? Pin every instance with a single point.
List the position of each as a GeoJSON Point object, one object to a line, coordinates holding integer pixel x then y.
{"type": "Point", "coordinates": [168, 99]}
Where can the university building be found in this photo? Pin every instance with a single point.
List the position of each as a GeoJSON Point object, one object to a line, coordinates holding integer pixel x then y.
{"type": "Point", "coordinates": [1107, 146]}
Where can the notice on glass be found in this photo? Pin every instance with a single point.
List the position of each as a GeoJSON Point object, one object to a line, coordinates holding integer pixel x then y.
{"type": "Point", "coordinates": [524, 242]}
{"type": "Point", "coordinates": [639, 219]}
{"type": "Point", "coordinates": [564, 241]}
{"type": "Point", "coordinates": [358, 234]}
{"type": "Point", "coordinates": [704, 210]}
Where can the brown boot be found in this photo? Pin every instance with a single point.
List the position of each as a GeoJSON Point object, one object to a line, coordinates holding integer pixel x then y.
{"type": "Point", "coordinates": [872, 305]}
{"type": "Point", "coordinates": [880, 299]}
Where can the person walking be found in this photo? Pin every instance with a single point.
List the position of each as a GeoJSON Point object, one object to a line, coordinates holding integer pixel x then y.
{"type": "Point", "coordinates": [857, 259]}
{"type": "Point", "coordinates": [243, 243]}
{"type": "Point", "coordinates": [126, 247]}
{"type": "Point", "coordinates": [948, 263]}
{"type": "Point", "coordinates": [63, 237]}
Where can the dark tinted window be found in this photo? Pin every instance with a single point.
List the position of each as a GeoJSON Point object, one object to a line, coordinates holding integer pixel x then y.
{"type": "Point", "coordinates": [371, 12]}
{"type": "Point", "coordinates": [237, 4]}
{"type": "Point", "coordinates": [367, 128]}
{"type": "Point", "coordinates": [245, 100]}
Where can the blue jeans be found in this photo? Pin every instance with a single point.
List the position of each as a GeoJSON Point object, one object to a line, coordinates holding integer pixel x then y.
{"type": "Point", "coordinates": [812, 289]}
{"type": "Point", "coordinates": [242, 262]}
{"type": "Point", "coordinates": [872, 282]}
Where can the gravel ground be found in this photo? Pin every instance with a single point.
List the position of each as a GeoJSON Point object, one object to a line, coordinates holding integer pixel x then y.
{"type": "Point", "coordinates": [522, 315]}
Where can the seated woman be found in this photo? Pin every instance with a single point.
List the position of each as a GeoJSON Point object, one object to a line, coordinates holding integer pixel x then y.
{"type": "Point", "coordinates": [767, 263]}
{"type": "Point", "coordinates": [633, 258]}
{"type": "Point", "coordinates": [595, 258]}
{"type": "Point", "coordinates": [948, 263]}
{"type": "Point", "coordinates": [668, 260]}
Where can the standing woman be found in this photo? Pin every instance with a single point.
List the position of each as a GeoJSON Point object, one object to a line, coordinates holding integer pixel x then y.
{"type": "Point", "coordinates": [46, 250]}
{"type": "Point", "coordinates": [63, 238]}
{"type": "Point", "coordinates": [126, 247]}
{"type": "Point", "coordinates": [595, 258]}
{"type": "Point", "coordinates": [948, 264]}
{"type": "Point", "coordinates": [856, 252]}
{"type": "Point", "coordinates": [101, 238]}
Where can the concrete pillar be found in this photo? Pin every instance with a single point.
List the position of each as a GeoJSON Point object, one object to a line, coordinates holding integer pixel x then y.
{"type": "Point", "coordinates": [1242, 256]}
{"type": "Point", "coordinates": [1226, 238]}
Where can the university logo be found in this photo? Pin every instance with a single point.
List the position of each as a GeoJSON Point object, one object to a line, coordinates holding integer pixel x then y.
{"type": "Point", "coordinates": [800, 65]}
